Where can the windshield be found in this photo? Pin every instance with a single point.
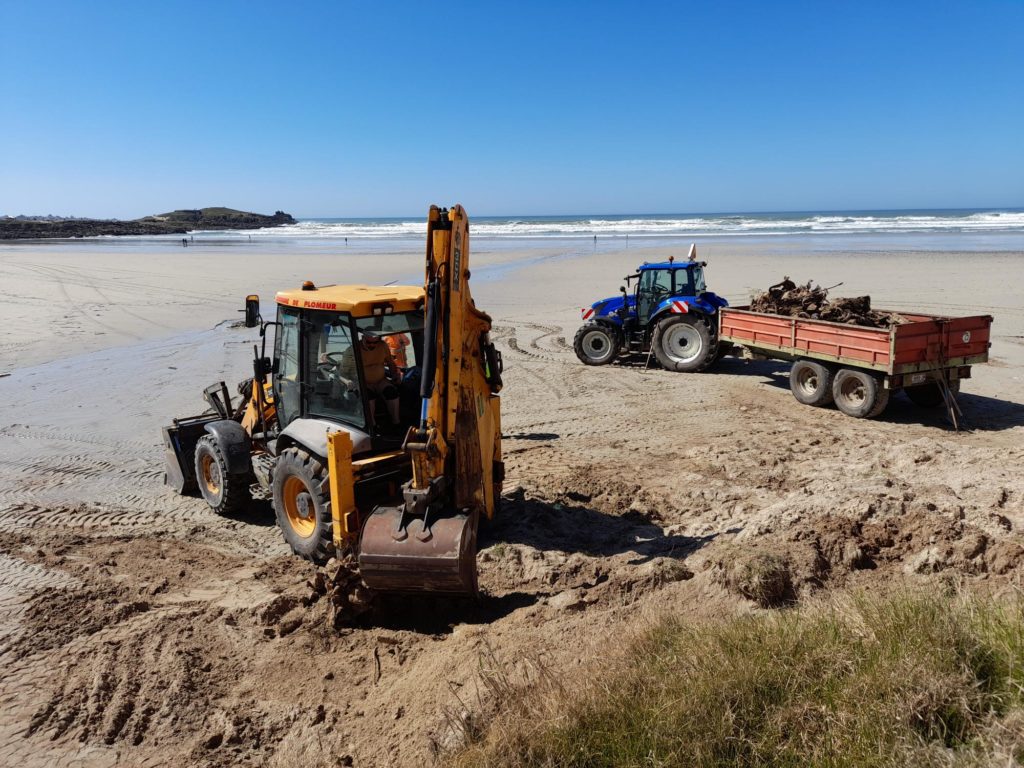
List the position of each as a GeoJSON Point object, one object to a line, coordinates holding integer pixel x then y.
{"type": "Point", "coordinates": [333, 389]}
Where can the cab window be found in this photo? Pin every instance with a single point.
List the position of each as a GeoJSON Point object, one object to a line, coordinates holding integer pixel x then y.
{"type": "Point", "coordinates": [654, 285]}
{"type": "Point", "coordinates": [684, 283]}
{"type": "Point", "coordinates": [287, 389]}
{"type": "Point", "coordinates": [332, 369]}
{"type": "Point", "coordinates": [402, 332]}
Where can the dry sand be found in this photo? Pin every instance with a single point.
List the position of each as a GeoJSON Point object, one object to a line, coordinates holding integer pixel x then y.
{"type": "Point", "coordinates": [137, 628]}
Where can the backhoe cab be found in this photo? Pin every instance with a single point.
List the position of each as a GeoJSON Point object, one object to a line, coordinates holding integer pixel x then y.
{"type": "Point", "coordinates": [375, 424]}
{"type": "Point", "coordinates": [670, 314]}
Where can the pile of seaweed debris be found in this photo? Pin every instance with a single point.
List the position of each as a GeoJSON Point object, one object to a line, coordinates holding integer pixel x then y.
{"type": "Point", "coordinates": [811, 301]}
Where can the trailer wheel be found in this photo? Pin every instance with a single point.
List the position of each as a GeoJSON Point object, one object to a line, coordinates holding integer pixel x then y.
{"type": "Point", "coordinates": [596, 344]}
{"type": "Point", "coordinates": [930, 395]}
{"type": "Point", "coordinates": [859, 394]}
{"type": "Point", "coordinates": [302, 503]}
{"type": "Point", "coordinates": [683, 343]}
{"type": "Point", "coordinates": [224, 492]}
{"type": "Point", "coordinates": [811, 383]}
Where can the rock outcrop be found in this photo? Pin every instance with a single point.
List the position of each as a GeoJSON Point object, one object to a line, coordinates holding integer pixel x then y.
{"type": "Point", "coordinates": [176, 222]}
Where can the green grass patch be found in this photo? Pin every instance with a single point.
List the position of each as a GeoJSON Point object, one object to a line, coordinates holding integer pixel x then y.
{"type": "Point", "coordinates": [867, 681]}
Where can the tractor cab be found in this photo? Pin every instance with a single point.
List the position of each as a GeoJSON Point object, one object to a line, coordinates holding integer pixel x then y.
{"type": "Point", "coordinates": [656, 283]}
{"type": "Point", "coordinates": [348, 357]}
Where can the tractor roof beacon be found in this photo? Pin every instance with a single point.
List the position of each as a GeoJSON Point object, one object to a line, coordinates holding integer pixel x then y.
{"type": "Point", "coordinates": [669, 313]}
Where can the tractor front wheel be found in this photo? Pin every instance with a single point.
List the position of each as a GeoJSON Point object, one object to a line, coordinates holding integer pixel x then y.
{"type": "Point", "coordinates": [226, 493]}
{"type": "Point", "coordinates": [302, 503]}
{"type": "Point", "coordinates": [596, 344]}
{"type": "Point", "coordinates": [683, 343]}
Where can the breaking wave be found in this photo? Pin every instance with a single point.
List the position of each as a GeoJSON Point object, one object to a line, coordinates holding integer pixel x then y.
{"type": "Point", "coordinates": [666, 226]}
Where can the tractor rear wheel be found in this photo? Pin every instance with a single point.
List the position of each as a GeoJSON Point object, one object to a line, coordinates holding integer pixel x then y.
{"type": "Point", "coordinates": [683, 343]}
{"type": "Point", "coordinates": [596, 344]}
{"type": "Point", "coordinates": [811, 383]}
{"type": "Point", "coordinates": [226, 493]}
{"type": "Point", "coordinates": [930, 395]}
{"type": "Point", "coordinates": [302, 503]}
{"type": "Point", "coordinates": [859, 394]}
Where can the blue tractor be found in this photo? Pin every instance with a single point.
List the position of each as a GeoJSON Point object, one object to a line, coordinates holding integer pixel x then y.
{"type": "Point", "coordinates": [670, 313]}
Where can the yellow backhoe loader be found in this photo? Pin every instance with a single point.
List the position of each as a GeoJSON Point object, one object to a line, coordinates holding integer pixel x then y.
{"type": "Point", "coordinates": [375, 425]}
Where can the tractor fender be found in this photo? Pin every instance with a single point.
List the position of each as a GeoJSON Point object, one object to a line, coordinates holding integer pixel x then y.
{"type": "Point", "coordinates": [311, 435]}
{"type": "Point", "coordinates": [706, 304]}
{"type": "Point", "coordinates": [234, 443]}
{"type": "Point", "coordinates": [666, 309]}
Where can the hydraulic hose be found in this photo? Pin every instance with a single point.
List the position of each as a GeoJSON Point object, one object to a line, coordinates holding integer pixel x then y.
{"type": "Point", "coordinates": [429, 368]}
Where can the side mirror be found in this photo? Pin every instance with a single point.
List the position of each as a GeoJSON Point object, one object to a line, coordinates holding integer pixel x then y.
{"type": "Point", "coordinates": [252, 311]}
{"type": "Point", "coordinates": [261, 366]}
{"type": "Point", "coordinates": [622, 288]}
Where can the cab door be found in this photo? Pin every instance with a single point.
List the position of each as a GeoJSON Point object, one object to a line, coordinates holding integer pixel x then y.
{"type": "Point", "coordinates": [654, 286]}
{"type": "Point", "coordinates": [287, 357]}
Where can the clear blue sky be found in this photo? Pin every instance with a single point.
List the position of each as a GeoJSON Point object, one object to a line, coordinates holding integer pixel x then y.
{"type": "Point", "coordinates": [353, 109]}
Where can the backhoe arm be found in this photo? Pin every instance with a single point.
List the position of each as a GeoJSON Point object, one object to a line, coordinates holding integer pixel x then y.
{"type": "Point", "coordinates": [429, 542]}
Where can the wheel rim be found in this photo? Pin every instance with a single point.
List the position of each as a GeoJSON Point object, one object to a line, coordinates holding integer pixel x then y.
{"type": "Point", "coordinates": [211, 474]}
{"type": "Point", "coordinates": [299, 507]}
{"type": "Point", "coordinates": [853, 391]}
{"type": "Point", "coordinates": [596, 345]}
{"type": "Point", "coordinates": [808, 382]}
{"type": "Point", "coordinates": [682, 343]}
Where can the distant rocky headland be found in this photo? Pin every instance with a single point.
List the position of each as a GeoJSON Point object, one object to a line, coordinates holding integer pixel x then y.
{"type": "Point", "coordinates": [173, 223]}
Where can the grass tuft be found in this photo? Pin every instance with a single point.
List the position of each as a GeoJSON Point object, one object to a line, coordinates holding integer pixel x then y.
{"type": "Point", "coordinates": [910, 679]}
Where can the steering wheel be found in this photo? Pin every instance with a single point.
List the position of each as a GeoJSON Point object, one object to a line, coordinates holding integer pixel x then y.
{"type": "Point", "coordinates": [332, 358]}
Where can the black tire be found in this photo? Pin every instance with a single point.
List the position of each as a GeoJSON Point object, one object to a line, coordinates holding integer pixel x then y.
{"type": "Point", "coordinates": [302, 503]}
{"type": "Point", "coordinates": [811, 383]}
{"type": "Point", "coordinates": [859, 394]}
{"type": "Point", "coordinates": [596, 344]}
{"type": "Point", "coordinates": [226, 493]}
{"type": "Point", "coordinates": [684, 343]}
{"type": "Point", "coordinates": [930, 395]}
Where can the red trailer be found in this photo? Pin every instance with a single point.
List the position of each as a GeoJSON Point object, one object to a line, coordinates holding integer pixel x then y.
{"type": "Point", "coordinates": [858, 367]}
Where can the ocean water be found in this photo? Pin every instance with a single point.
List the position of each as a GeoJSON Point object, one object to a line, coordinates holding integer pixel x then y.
{"type": "Point", "coordinates": [686, 225]}
{"type": "Point", "coordinates": [825, 230]}
{"type": "Point", "coordinates": [910, 230]}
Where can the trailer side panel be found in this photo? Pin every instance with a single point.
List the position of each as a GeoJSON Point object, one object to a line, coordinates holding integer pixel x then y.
{"type": "Point", "coordinates": [796, 337]}
{"type": "Point", "coordinates": [925, 343]}
{"type": "Point", "coordinates": [928, 342]}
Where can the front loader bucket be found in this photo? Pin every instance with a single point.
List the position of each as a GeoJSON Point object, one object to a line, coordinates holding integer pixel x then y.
{"type": "Point", "coordinates": [393, 558]}
{"type": "Point", "coordinates": [180, 450]}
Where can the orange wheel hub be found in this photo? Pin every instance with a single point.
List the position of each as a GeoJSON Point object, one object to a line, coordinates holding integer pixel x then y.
{"type": "Point", "coordinates": [299, 507]}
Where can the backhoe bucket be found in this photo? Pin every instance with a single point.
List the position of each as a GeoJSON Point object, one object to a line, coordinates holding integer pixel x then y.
{"type": "Point", "coordinates": [397, 555]}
